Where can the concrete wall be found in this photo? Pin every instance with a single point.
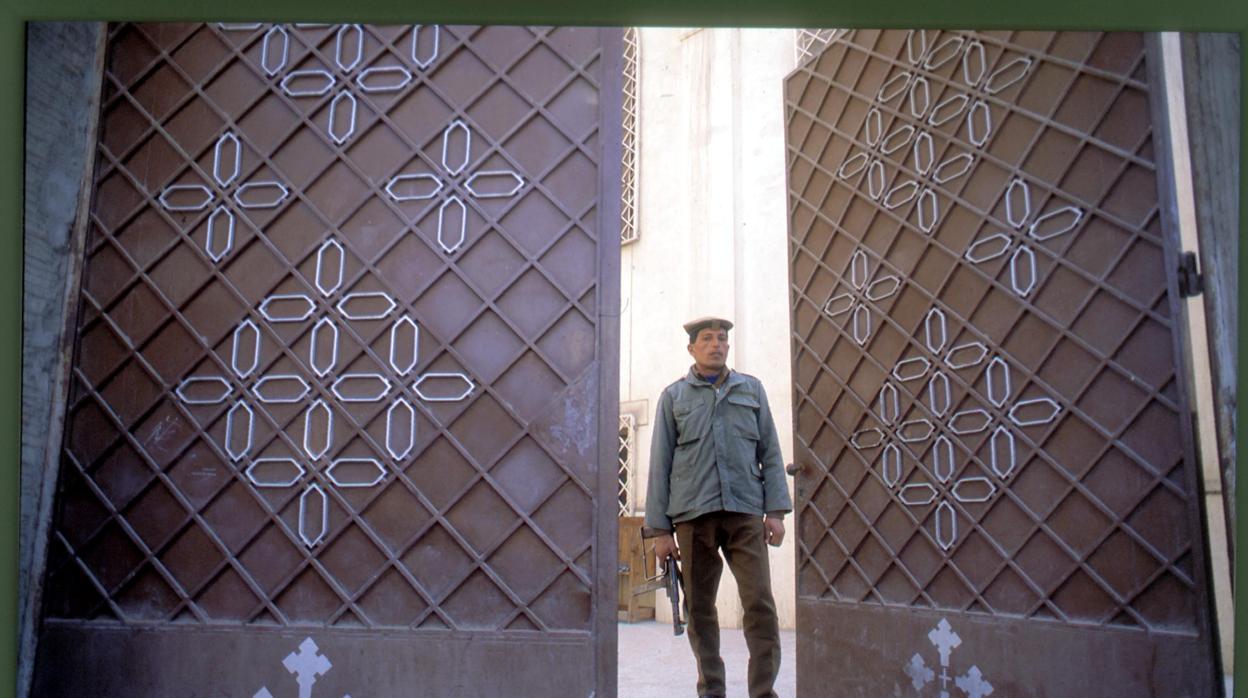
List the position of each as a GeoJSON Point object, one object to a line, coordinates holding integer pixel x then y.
{"type": "Point", "coordinates": [1211, 82]}
{"type": "Point", "coordinates": [713, 235]}
{"type": "Point", "coordinates": [64, 69]}
{"type": "Point", "coordinates": [1206, 64]}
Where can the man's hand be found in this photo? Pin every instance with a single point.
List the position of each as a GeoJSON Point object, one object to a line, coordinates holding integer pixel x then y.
{"type": "Point", "coordinates": [773, 530]}
{"type": "Point", "coordinates": [665, 547]}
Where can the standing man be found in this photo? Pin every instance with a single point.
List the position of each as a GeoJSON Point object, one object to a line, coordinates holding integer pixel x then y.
{"type": "Point", "coordinates": [717, 479]}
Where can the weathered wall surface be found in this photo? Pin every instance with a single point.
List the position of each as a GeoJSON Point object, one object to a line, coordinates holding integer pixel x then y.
{"type": "Point", "coordinates": [63, 71]}
{"type": "Point", "coordinates": [712, 232]}
{"type": "Point", "coordinates": [1212, 101]}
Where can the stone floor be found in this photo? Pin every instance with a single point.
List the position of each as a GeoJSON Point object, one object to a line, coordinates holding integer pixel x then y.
{"type": "Point", "coordinates": [656, 664]}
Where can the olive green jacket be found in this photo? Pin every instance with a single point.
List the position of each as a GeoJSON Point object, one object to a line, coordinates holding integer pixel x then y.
{"type": "Point", "coordinates": [707, 449]}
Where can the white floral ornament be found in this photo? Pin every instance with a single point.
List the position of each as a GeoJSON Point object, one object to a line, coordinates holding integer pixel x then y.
{"type": "Point", "coordinates": [1018, 211]}
{"type": "Point", "coordinates": [348, 56]}
{"type": "Point", "coordinates": [918, 102]}
{"type": "Point", "coordinates": [452, 213]}
{"type": "Point", "coordinates": [937, 401]}
{"type": "Point", "coordinates": [227, 166]}
{"type": "Point", "coordinates": [925, 53]}
{"type": "Point", "coordinates": [930, 175]}
{"type": "Point", "coordinates": [318, 418]}
{"type": "Point", "coordinates": [872, 159]}
{"type": "Point", "coordinates": [916, 98]}
{"type": "Point", "coordinates": [861, 291]}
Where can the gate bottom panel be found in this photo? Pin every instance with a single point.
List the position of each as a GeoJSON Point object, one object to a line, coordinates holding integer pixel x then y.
{"type": "Point", "coordinates": [854, 650]}
{"type": "Point", "coordinates": [99, 662]}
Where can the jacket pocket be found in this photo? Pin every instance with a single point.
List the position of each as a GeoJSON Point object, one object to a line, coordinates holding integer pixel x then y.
{"type": "Point", "coordinates": [743, 415]}
{"type": "Point", "coordinates": [743, 412]}
{"type": "Point", "coordinates": [689, 418]}
{"type": "Point", "coordinates": [744, 400]}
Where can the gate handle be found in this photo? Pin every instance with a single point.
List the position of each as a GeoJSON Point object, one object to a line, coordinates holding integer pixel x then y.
{"type": "Point", "coordinates": [793, 469]}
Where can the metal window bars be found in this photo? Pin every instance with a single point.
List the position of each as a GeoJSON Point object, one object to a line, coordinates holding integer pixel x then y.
{"type": "Point", "coordinates": [808, 43]}
{"type": "Point", "coordinates": [629, 151]}
{"type": "Point", "coordinates": [627, 464]}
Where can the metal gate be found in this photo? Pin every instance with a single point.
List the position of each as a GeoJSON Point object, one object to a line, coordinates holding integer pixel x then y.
{"type": "Point", "coordinates": [342, 389]}
{"type": "Point", "coordinates": [997, 492]}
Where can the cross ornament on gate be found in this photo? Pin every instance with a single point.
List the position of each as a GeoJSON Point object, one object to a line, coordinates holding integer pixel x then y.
{"type": "Point", "coordinates": [307, 665]}
{"type": "Point", "coordinates": [945, 640]}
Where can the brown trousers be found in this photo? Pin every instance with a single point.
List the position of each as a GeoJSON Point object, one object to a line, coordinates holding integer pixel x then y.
{"type": "Point", "coordinates": [740, 536]}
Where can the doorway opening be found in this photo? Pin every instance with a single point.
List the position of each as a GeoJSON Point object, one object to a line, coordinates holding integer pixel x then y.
{"type": "Point", "coordinates": [704, 235]}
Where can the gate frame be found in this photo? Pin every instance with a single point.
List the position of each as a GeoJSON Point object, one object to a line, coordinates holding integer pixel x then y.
{"type": "Point", "coordinates": [604, 624]}
{"type": "Point", "coordinates": [1176, 204]}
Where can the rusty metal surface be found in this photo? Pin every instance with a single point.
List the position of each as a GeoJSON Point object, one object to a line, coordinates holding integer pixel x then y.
{"type": "Point", "coordinates": [418, 244]}
{"type": "Point", "coordinates": [985, 389]}
{"type": "Point", "coordinates": [872, 645]}
{"type": "Point", "coordinates": [419, 665]}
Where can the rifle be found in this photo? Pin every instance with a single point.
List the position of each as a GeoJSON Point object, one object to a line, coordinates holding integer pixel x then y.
{"type": "Point", "coordinates": [669, 580]}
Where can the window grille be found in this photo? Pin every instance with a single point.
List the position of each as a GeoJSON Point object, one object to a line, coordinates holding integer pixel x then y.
{"type": "Point", "coordinates": [632, 70]}
{"type": "Point", "coordinates": [628, 462]}
{"type": "Point", "coordinates": [809, 43]}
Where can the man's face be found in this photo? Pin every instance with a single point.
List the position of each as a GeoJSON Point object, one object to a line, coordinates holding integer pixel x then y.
{"type": "Point", "coordinates": [710, 349]}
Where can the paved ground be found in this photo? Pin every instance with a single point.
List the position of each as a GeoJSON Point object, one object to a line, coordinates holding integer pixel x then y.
{"type": "Point", "coordinates": [656, 664]}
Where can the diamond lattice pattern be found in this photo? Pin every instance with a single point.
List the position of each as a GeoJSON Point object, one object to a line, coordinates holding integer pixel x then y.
{"type": "Point", "coordinates": [337, 278]}
{"type": "Point", "coordinates": [983, 339]}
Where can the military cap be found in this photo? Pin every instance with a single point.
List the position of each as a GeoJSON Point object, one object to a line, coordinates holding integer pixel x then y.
{"type": "Point", "coordinates": [693, 327]}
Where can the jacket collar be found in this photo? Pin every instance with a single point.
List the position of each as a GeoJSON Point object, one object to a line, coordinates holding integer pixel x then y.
{"type": "Point", "coordinates": [692, 378]}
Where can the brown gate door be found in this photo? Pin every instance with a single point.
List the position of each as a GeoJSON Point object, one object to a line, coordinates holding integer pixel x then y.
{"type": "Point", "coordinates": [338, 390]}
{"type": "Point", "coordinates": [997, 494]}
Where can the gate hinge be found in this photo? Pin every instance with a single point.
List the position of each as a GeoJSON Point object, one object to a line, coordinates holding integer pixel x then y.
{"type": "Point", "coordinates": [1191, 282]}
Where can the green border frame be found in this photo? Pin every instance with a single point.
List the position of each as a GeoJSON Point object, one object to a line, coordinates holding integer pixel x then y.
{"type": "Point", "coordinates": [1188, 15]}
